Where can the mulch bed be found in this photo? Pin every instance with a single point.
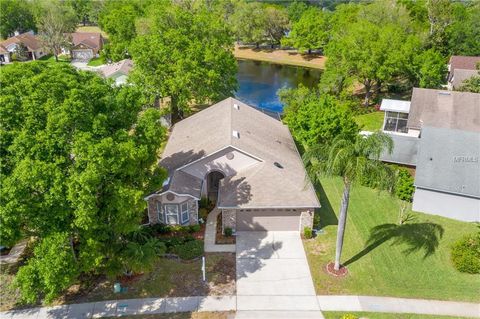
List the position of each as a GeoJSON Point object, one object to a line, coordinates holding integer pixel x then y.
{"type": "Point", "coordinates": [220, 238]}
{"type": "Point", "coordinates": [342, 272]}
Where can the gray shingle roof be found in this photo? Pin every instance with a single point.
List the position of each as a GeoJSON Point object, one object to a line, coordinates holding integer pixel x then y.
{"type": "Point", "coordinates": [448, 161]}
{"type": "Point", "coordinates": [460, 75]}
{"type": "Point", "coordinates": [448, 109]}
{"type": "Point", "coordinates": [262, 185]}
{"type": "Point", "coordinates": [405, 149]}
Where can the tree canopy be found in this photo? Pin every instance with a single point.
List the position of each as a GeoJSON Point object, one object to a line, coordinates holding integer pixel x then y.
{"type": "Point", "coordinates": [78, 156]}
{"type": "Point", "coordinates": [316, 119]}
{"type": "Point", "coordinates": [310, 32]}
{"type": "Point", "coordinates": [16, 16]}
{"type": "Point", "coordinates": [185, 55]}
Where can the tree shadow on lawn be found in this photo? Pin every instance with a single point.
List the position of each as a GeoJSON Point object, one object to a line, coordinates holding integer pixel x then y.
{"type": "Point", "coordinates": [326, 212]}
{"type": "Point", "coordinates": [417, 236]}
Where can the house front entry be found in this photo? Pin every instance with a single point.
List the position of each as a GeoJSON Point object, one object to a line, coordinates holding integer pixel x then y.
{"type": "Point", "coordinates": [213, 183]}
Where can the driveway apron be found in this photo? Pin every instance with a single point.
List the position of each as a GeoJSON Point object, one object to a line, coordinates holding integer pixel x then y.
{"type": "Point", "coordinates": [273, 275]}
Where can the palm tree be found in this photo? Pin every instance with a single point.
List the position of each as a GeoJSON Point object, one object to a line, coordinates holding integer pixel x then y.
{"type": "Point", "coordinates": [354, 161]}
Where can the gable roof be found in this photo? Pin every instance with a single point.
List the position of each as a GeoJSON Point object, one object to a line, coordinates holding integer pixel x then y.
{"type": "Point", "coordinates": [122, 67]}
{"type": "Point", "coordinates": [447, 109]}
{"type": "Point", "coordinates": [460, 75]}
{"type": "Point", "coordinates": [462, 62]}
{"type": "Point", "coordinates": [93, 40]}
{"type": "Point", "coordinates": [28, 39]}
{"type": "Point", "coordinates": [259, 135]}
{"type": "Point", "coordinates": [448, 161]}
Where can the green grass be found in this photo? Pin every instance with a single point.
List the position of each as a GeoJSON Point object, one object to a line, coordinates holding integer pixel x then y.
{"type": "Point", "coordinates": [370, 121]}
{"type": "Point", "coordinates": [387, 270]}
{"type": "Point", "coordinates": [380, 315]}
{"type": "Point", "coordinates": [96, 61]}
{"type": "Point", "coordinates": [51, 58]}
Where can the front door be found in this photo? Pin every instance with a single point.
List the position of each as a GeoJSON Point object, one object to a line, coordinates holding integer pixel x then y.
{"type": "Point", "coordinates": [213, 184]}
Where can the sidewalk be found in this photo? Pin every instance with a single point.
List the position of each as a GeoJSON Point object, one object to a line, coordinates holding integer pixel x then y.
{"type": "Point", "coordinates": [399, 305]}
{"type": "Point", "coordinates": [132, 307]}
{"type": "Point", "coordinates": [117, 308]}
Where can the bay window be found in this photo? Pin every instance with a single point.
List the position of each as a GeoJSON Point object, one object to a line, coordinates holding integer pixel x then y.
{"type": "Point", "coordinates": [185, 213]}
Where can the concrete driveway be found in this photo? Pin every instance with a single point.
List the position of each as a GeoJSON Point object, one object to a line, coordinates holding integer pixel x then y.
{"type": "Point", "coordinates": [273, 275]}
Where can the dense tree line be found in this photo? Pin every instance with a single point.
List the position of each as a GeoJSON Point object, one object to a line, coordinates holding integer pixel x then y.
{"type": "Point", "coordinates": [78, 156]}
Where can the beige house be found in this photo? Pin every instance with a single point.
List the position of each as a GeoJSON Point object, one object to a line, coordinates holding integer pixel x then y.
{"type": "Point", "coordinates": [30, 42]}
{"type": "Point", "coordinates": [243, 160]}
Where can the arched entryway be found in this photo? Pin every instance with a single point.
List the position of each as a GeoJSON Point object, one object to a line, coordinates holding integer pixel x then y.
{"type": "Point", "coordinates": [213, 183]}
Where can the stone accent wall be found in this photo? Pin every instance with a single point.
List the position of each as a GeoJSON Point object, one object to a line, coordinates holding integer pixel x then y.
{"type": "Point", "coordinates": [229, 218]}
{"type": "Point", "coordinates": [306, 219]}
{"type": "Point", "coordinates": [152, 210]}
{"type": "Point", "coordinates": [193, 211]}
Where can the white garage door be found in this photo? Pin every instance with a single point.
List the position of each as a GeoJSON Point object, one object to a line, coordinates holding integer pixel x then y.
{"type": "Point", "coordinates": [82, 55]}
{"type": "Point", "coordinates": [271, 220]}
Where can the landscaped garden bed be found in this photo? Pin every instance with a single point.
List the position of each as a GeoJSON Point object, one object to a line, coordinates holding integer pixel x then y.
{"type": "Point", "coordinates": [220, 237]}
{"type": "Point", "coordinates": [408, 261]}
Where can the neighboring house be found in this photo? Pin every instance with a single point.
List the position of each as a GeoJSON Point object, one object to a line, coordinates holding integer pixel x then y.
{"type": "Point", "coordinates": [243, 160]}
{"type": "Point", "coordinates": [31, 43]}
{"type": "Point", "coordinates": [461, 68]}
{"type": "Point", "coordinates": [118, 71]}
{"type": "Point", "coordinates": [442, 140]}
{"type": "Point", "coordinates": [85, 45]}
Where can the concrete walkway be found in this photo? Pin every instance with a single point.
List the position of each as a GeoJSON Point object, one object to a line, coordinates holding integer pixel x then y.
{"type": "Point", "coordinates": [210, 231]}
{"type": "Point", "coordinates": [117, 308]}
{"type": "Point", "coordinates": [273, 277]}
{"type": "Point", "coordinates": [399, 305]}
{"type": "Point", "coordinates": [132, 307]}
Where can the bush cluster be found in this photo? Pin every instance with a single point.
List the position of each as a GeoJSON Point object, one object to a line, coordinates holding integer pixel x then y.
{"type": "Point", "coordinates": [189, 250]}
{"type": "Point", "coordinates": [162, 229]}
{"type": "Point", "coordinates": [404, 187]}
{"type": "Point", "coordinates": [465, 254]}
{"type": "Point", "coordinates": [307, 232]}
{"type": "Point", "coordinates": [228, 231]}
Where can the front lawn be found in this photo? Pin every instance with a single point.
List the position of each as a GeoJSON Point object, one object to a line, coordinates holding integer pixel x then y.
{"type": "Point", "coordinates": [371, 121]}
{"type": "Point", "coordinates": [51, 58]}
{"type": "Point", "coordinates": [381, 315]}
{"type": "Point", "coordinates": [396, 267]}
{"type": "Point", "coordinates": [169, 278]}
{"type": "Point", "coordinates": [97, 61]}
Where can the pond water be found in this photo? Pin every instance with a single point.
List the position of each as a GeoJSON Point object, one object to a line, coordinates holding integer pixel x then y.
{"type": "Point", "coordinates": [259, 82]}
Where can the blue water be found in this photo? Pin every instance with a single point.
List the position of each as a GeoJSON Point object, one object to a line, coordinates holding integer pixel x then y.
{"type": "Point", "coordinates": [259, 82]}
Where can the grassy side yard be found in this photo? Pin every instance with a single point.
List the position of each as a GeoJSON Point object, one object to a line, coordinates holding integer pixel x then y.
{"type": "Point", "coordinates": [96, 61]}
{"type": "Point", "coordinates": [370, 121]}
{"type": "Point", "coordinates": [397, 263]}
{"type": "Point", "coordinates": [380, 315]}
{"type": "Point", "coordinates": [51, 58]}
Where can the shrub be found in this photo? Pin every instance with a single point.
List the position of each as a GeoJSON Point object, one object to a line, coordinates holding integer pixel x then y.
{"type": "Point", "coordinates": [204, 203]}
{"type": "Point", "coordinates": [465, 254]}
{"type": "Point", "coordinates": [404, 188]}
{"type": "Point", "coordinates": [193, 228]}
{"type": "Point", "coordinates": [203, 213]}
{"type": "Point", "coordinates": [228, 231]}
{"type": "Point", "coordinates": [307, 232]}
{"type": "Point", "coordinates": [349, 316]}
{"type": "Point", "coordinates": [189, 250]}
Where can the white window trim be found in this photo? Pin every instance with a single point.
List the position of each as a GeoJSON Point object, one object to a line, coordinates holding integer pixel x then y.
{"type": "Point", "coordinates": [186, 211]}
{"type": "Point", "coordinates": [167, 214]}
{"type": "Point", "coordinates": [161, 217]}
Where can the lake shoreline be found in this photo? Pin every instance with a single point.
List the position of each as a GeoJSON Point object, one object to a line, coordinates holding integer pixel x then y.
{"type": "Point", "coordinates": [278, 56]}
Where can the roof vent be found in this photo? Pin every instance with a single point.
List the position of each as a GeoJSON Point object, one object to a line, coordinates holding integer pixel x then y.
{"type": "Point", "coordinates": [236, 134]}
{"type": "Point", "coordinates": [444, 93]}
{"type": "Point", "coordinates": [236, 107]}
{"type": "Point", "coordinates": [277, 164]}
